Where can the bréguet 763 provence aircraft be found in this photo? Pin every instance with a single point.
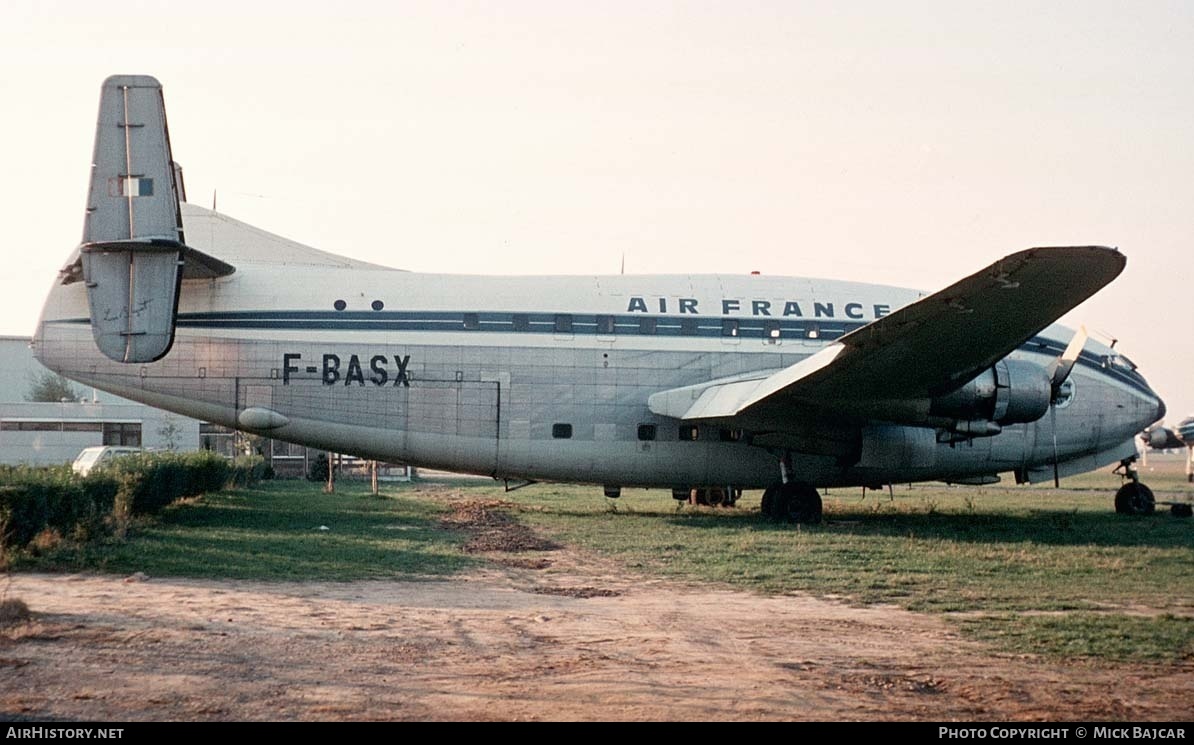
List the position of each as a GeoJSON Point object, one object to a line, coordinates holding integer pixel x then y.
{"type": "Point", "coordinates": [780, 383]}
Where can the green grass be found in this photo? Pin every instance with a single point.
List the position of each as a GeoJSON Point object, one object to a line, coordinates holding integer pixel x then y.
{"type": "Point", "coordinates": [929, 549]}
{"type": "Point", "coordinates": [271, 532]}
{"type": "Point", "coordinates": [1029, 569]}
{"type": "Point", "coordinates": [1113, 637]}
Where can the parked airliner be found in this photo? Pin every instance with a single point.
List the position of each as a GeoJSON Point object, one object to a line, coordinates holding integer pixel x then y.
{"type": "Point", "coordinates": [781, 383]}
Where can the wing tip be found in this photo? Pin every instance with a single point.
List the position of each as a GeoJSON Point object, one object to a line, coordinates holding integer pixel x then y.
{"type": "Point", "coordinates": [1092, 258]}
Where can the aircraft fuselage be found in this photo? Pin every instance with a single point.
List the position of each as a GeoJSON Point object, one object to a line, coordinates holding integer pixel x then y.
{"type": "Point", "coordinates": [547, 378]}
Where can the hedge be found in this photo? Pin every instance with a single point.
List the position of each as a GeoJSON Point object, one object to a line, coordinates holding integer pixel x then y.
{"type": "Point", "coordinates": [36, 499]}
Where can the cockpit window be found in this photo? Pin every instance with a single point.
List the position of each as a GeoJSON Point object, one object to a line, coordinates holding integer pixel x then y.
{"type": "Point", "coordinates": [1119, 362]}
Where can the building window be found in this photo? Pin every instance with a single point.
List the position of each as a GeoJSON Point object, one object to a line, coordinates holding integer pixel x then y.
{"type": "Point", "coordinates": [689, 432]}
{"type": "Point", "coordinates": [646, 432]}
{"type": "Point", "coordinates": [605, 324]}
{"type": "Point", "coordinates": [471, 321]}
{"type": "Point", "coordinates": [122, 433]}
{"type": "Point", "coordinates": [82, 427]}
{"type": "Point", "coordinates": [217, 439]}
{"type": "Point", "coordinates": [32, 426]}
{"type": "Point", "coordinates": [521, 322]}
{"type": "Point", "coordinates": [561, 431]}
{"type": "Point", "coordinates": [647, 325]}
{"type": "Point", "coordinates": [564, 323]}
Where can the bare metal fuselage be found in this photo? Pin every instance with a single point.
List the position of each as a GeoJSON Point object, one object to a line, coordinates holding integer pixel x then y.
{"type": "Point", "coordinates": [549, 377]}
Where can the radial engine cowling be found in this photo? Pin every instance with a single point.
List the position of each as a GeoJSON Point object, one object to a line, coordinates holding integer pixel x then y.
{"type": "Point", "coordinates": [1011, 392]}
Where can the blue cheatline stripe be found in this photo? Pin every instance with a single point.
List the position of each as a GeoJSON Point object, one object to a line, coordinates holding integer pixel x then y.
{"type": "Point", "coordinates": [707, 327]}
{"type": "Point", "coordinates": [582, 324]}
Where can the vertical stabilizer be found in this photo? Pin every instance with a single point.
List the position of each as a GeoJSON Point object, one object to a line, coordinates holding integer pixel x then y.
{"type": "Point", "coordinates": [132, 235]}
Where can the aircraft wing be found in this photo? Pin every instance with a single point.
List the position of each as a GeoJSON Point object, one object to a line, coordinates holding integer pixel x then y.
{"type": "Point", "coordinates": [925, 349]}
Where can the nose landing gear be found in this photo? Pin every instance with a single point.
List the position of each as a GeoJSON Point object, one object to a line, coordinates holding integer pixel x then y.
{"type": "Point", "coordinates": [1133, 498]}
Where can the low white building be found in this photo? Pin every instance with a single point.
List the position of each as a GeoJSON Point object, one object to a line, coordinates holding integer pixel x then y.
{"type": "Point", "coordinates": [41, 433]}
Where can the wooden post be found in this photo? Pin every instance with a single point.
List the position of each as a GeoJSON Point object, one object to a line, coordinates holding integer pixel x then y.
{"type": "Point", "coordinates": [373, 475]}
{"type": "Point", "coordinates": [330, 488]}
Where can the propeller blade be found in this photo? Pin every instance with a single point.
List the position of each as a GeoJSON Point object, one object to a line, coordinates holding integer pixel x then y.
{"type": "Point", "coordinates": [1065, 363]}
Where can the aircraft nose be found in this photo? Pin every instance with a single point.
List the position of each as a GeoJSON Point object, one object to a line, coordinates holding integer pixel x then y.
{"type": "Point", "coordinates": [1160, 409]}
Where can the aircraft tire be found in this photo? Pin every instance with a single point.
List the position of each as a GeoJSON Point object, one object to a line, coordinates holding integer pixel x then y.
{"type": "Point", "coordinates": [767, 506]}
{"type": "Point", "coordinates": [801, 503]}
{"type": "Point", "coordinates": [1182, 510]}
{"type": "Point", "coordinates": [1134, 498]}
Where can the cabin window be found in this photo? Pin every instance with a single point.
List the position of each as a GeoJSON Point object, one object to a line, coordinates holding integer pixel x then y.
{"type": "Point", "coordinates": [688, 327]}
{"type": "Point", "coordinates": [729, 327]}
{"type": "Point", "coordinates": [771, 330]}
{"type": "Point", "coordinates": [564, 323]}
{"type": "Point", "coordinates": [377, 305]}
{"type": "Point", "coordinates": [339, 305]}
{"type": "Point", "coordinates": [729, 435]}
{"type": "Point", "coordinates": [471, 322]}
{"type": "Point", "coordinates": [561, 431]}
{"type": "Point", "coordinates": [521, 322]}
{"type": "Point", "coordinates": [605, 324]}
{"type": "Point", "coordinates": [646, 432]}
{"type": "Point", "coordinates": [689, 432]}
{"type": "Point", "coordinates": [647, 325]}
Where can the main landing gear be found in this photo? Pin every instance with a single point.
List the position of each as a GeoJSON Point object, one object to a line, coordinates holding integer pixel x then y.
{"type": "Point", "coordinates": [1133, 498]}
{"type": "Point", "coordinates": [793, 501]}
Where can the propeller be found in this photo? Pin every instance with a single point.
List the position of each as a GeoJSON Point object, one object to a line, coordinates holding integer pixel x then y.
{"type": "Point", "coordinates": [1059, 372]}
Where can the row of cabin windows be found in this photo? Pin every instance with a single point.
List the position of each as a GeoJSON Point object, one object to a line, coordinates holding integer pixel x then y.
{"type": "Point", "coordinates": [646, 325]}
{"type": "Point", "coordinates": [648, 432]}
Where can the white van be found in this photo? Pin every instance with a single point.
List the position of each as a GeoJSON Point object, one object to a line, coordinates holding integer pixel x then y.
{"type": "Point", "coordinates": [100, 455]}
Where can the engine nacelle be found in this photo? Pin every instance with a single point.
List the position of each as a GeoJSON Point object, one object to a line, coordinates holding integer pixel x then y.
{"type": "Point", "coordinates": [1010, 392]}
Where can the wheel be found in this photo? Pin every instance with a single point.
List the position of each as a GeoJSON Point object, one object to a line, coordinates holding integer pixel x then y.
{"type": "Point", "coordinates": [1134, 498]}
{"type": "Point", "coordinates": [801, 503]}
{"type": "Point", "coordinates": [767, 506]}
{"type": "Point", "coordinates": [714, 497]}
{"type": "Point", "coordinates": [1182, 510]}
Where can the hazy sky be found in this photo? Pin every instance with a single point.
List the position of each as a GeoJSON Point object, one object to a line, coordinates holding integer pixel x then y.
{"type": "Point", "coordinates": [906, 143]}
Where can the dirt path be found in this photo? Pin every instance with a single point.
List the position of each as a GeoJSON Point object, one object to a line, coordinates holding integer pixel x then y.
{"type": "Point", "coordinates": [553, 636]}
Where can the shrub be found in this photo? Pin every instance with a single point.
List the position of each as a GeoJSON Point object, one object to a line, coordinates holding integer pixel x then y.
{"type": "Point", "coordinates": [318, 470]}
{"type": "Point", "coordinates": [12, 612]}
{"type": "Point", "coordinates": [55, 502]}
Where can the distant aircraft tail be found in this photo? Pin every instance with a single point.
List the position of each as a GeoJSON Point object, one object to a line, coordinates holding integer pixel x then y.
{"type": "Point", "coordinates": [133, 254]}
